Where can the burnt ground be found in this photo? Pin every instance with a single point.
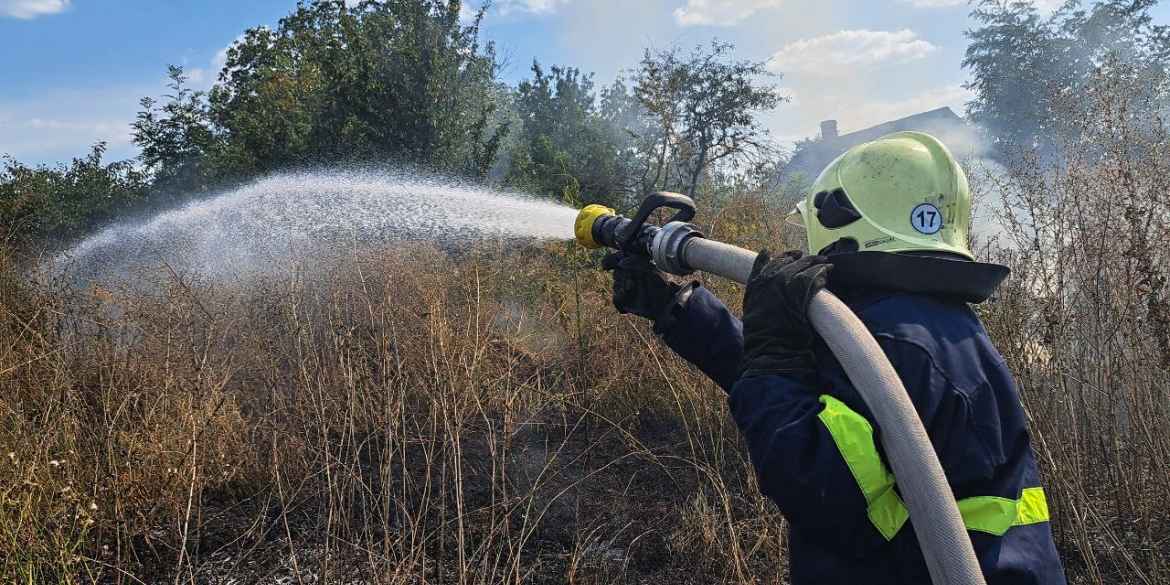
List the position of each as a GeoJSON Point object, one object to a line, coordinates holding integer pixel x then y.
{"type": "Point", "coordinates": [589, 504]}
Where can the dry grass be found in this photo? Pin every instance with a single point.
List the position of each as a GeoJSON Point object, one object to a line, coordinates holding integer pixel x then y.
{"type": "Point", "coordinates": [1085, 325]}
{"type": "Point", "coordinates": [403, 416]}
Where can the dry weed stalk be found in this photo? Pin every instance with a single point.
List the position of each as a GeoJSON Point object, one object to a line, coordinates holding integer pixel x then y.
{"type": "Point", "coordinates": [393, 416]}
{"type": "Point", "coordinates": [1084, 322]}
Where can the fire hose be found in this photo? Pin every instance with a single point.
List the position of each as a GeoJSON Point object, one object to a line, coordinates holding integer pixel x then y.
{"type": "Point", "coordinates": [680, 248]}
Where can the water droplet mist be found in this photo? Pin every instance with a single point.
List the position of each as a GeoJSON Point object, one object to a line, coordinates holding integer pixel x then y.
{"type": "Point", "coordinates": [283, 217]}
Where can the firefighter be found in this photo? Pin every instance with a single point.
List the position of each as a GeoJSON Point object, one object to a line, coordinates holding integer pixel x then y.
{"type": "Point", "coordinates": [889, 221]}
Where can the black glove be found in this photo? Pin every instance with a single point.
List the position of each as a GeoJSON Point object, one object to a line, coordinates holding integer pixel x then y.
{"type": "Point", "coordinates": [639, 288]}
{"type": "Point", "coordinates": [777, 336]}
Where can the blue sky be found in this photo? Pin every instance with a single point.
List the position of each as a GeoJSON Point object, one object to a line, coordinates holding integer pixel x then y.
{"type": "Point", "coordinates": [73, 71]}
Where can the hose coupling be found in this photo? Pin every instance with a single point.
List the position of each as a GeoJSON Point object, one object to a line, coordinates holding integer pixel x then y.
{"type": "Point", "coordinates": [667, 249]}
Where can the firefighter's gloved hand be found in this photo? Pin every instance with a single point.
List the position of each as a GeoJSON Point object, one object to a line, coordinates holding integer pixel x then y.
{"type": "Point", "coordinates": [777, 335]}
{"type": "Point", "coordinates": [639, 288]}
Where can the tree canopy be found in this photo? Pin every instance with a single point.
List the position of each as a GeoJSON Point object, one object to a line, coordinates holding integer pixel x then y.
{"type": "Point", "coordinates": [564, 145]}
{"type": "Point", "coordinates": [704, 106]}
{"type": "Point", "coordinates": [402, 80]}
{"type": "Point", "coordinates": [65, 201]}
{"type": "Point", "coordinates": [679, 119]}
{"type": "Point", "coordinates": [1021, 63]}
{"type": "Point", "coordinates": [410, 83]}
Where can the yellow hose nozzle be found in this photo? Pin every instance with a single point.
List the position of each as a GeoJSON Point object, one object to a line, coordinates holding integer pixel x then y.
{"type": "Point", "coordinates": [583, 227]}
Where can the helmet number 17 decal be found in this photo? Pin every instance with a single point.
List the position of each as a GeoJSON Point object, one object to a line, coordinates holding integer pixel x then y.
{"type": "Point", "coordinates": [926, 219]}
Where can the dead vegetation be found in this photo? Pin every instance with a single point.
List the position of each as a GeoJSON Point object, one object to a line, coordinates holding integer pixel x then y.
{"type": "Point", "coordinates": [407, 416]}
{"type": "Point", "coordinates": [1085, 319]}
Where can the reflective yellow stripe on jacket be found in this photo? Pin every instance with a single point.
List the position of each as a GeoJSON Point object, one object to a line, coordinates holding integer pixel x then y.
{"type": "Point", "coordinates": [854, 438]}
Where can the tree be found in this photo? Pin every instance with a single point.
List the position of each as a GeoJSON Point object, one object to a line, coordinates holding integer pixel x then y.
{"type": "Point", "coordinates": [703, 106]}
{"type": "Point", "coordinates": [66, 201]}
{"type": "Point", "coordinates": [176, 138]}
{"type": "Point", "coordinates": [563, 148]}
{"type": "Point", "coordinates": [639, 139]}
{"type": "Point", "coordinates": [1020, 63]}
{"type": "Point", "coordinates": [1013, 40]}
{"type": "Point", "coordinates": [266, 104]}
{"type": "Point", "coordinates": [401, 79]}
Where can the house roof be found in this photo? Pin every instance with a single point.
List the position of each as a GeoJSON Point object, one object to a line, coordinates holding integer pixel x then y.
{"type": "Point", "coordinates": [944, 124]}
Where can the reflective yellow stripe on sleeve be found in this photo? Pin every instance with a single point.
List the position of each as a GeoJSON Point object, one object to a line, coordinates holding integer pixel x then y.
{"type": "Point", "coordinates": [995, 515]}
{"type": "Point", "coordinates": [1033, 507]}
{"type": "Point", "coordinates": [853, 436]}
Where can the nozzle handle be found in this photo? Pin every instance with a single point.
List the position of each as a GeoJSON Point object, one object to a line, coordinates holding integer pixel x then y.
{"type": "Point", "coordinates": [685, 206]}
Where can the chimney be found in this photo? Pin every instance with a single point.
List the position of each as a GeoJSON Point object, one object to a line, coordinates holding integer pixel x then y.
{"type": "Point", "coordinates": [828, 130]}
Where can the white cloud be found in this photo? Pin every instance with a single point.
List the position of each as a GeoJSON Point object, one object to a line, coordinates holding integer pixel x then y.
{"type": "Point", "coordinates": [933, 3]}
{"type": "Point", "coordinates": [534, 6]}
{"type": "Point", "coordinates": [219, 61]}
{"type": "Point", "coordinates": [848, 50]}
{"type": "Point", "coordinates": [466, 14]}
{"type": "Point", "coordinates": [55, 126]}
{"type": "Point", "coordinates": [719, 12]}
{"type": "Point", "coordinates": [789, 94]}
{"type": "Point", "coordinates": [112, 130]}
{"type": "Point", "coordinates": [204, 77]}
{"type": "Point", "coordinates": [854, 112]}
{"type": "Point", "coordinates": [1045, 7]}
{"type": "Point", "coordinates": [199, 76]}
{"type": "Point", "coordinates": [29, 9]}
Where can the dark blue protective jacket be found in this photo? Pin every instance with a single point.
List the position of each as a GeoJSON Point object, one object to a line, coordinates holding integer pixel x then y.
{"type": "Point", "coordinates": [808, 443]}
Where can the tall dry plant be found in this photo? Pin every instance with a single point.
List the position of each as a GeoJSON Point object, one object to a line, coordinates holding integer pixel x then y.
{"type": "Point", "coordinates": [1085, 321]}
{"type": "Point", "coordinates": [394, 415]}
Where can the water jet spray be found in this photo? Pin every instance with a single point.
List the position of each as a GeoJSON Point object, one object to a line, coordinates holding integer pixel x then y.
{"type": "Point", "coordinates": [294, 217]}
